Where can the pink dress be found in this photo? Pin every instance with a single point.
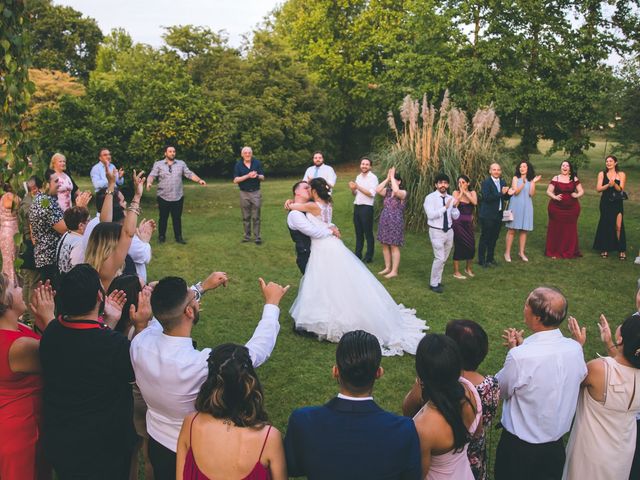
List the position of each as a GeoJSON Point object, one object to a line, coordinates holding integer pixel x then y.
{"type": "Point", "coordinates": [8, 229]}
{"type": "Point", "coordinates": [455, 465]}
{"type": "Point", "coordinates": [192, 472]}
{"type": "Point", "coordinates": [65, 186]}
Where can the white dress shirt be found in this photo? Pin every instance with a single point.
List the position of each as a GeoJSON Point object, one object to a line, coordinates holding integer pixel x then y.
{"type": "Point", "coordinates": [369, 182]}
{"type": "Point", "coordinates": [170, 371]}
{"type": "Point", "coordinates": [539, 384]}
{"type": "Point", "coordinates": [297, 220]}
{"type": "Point", "coordinates": [323, 171]}
{"type": "Point", "coordinates": [139, 251]}
{"type": "Point", "coordinates": [435, 210]}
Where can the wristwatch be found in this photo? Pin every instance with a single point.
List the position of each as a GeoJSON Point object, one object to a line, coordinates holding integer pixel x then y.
{"type": "Point", "coordinates": [197, 288]}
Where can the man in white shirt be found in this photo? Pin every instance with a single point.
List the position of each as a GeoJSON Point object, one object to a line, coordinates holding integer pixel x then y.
{"type": "Point", "coordinates": [302, 230]}
{"type": "Point", "coordinates": [169, 370]}
{"type": "Point", "coordinates": [320, 170]}
{"type": "Point", "coordinates": [364, 189]}
{"type": "Point", "coordinates": [539, 385]}
{"type": "Point", "coordinates": [438, 206]}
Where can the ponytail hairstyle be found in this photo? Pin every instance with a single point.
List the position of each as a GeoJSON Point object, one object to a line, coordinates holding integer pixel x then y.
{"type": "Point", "coordinates": [232, 389]}
{"type": "Point", "coordinates": [6, 300]}
{"type": "Point", "coordinates": [630, 333]}
{"type": "Point", "coordinates": [322, 188]}
{"type": "Point", "coordinates": [438, 365]}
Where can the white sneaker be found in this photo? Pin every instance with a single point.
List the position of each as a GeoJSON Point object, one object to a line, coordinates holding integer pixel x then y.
{"type": "Point", "coordinates": [637, 261]}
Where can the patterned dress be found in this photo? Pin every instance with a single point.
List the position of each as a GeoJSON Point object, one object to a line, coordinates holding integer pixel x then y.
{"type": "Point", "coordinates": [8, 228]}
{"type": "Point", "coordinates": [489, 392]}
{"type": "Point", "coordinates": [391, 224]}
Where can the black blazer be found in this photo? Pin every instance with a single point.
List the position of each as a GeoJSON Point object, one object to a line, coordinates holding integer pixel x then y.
{"type": "Point", "coordinates": [348, 439]}
{"type": "Point", "coordinates": [490, 202]}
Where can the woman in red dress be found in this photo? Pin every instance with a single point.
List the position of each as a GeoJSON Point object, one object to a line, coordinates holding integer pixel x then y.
{"type": "Point", "coordinates": [564, 210]}
{"type": "Point", "coordinates": [20, 384]}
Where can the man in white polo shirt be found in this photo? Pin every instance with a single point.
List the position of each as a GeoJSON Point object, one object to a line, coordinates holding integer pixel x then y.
{"type": "Point", "coordinates": [320, 170]}
{"type": "Point", "coordinates": [364, 189]}
{"type": "Point", "coordinates": [539, 385]}
{"type": "Point", "coordinates": [169, 369]}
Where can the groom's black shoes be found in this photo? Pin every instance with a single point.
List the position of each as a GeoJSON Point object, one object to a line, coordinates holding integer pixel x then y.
{"type": "Point", "coordinates": [437, 289]}
{"type": "Point", "coordinates": [303, 333]}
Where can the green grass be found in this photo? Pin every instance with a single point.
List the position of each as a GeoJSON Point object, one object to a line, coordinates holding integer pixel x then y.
{"type": "Point", "coordinates": [299, 371]}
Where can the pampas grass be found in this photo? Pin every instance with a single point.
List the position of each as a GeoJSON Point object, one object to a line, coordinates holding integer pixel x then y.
{"type": "Point", "coordinates": [433, 140]}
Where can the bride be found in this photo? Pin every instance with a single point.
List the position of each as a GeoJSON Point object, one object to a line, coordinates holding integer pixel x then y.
{"type": "Point", "coordinates": [339, 294]}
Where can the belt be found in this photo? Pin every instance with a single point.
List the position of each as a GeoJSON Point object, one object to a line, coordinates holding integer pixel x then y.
{"type": "Point", "coordinates": [439, 228]}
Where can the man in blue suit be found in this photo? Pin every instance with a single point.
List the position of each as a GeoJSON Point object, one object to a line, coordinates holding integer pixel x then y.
{"type": "Point", "coordinates": [495, 194]}
{"type": "Point", "coordinates": [352, 437]}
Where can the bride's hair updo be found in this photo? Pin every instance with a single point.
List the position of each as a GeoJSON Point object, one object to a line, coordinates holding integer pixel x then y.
{"type": "Point", "coordinates": [322, 188]}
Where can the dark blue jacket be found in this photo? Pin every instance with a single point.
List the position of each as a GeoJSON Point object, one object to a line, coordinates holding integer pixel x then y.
{"type": "Point", "coordinates": [347, 439]}
{"type": "Point", "coordinates": [490, 201]}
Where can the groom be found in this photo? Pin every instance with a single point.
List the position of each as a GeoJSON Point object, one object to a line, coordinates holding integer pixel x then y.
{"type": "Point", "coordinates": [302, 230]}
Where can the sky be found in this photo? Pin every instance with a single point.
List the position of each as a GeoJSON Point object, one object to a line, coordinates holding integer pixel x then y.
{"type": "Point", "coordinates": [144, 19]}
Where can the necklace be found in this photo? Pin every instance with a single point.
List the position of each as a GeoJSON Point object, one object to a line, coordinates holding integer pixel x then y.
{"type": "Point", "coordinates": [228, 423]}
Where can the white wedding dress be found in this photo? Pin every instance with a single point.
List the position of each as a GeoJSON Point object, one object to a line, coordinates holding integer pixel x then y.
{"type": "Point", "coordinates": [339, 294]}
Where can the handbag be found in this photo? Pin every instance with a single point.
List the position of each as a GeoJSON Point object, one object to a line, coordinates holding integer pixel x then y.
{"type": "Point", "coordinates": [618, 196]}
{"type": "Point", "coordinates": [507, 216]}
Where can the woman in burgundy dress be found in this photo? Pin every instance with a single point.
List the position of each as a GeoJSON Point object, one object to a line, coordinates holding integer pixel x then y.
{"type": "Point", "coordinates": [21, 455]}
{"type": "Point", "coordinates": [229, 436]}
{"type": "Point", "coordinates": [464, 240]}
{"type": "Point", "coordinates": [564, 209]}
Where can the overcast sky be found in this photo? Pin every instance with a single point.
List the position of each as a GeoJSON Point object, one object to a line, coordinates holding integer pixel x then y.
{"type": "Point", "coordinates": [144, 19]}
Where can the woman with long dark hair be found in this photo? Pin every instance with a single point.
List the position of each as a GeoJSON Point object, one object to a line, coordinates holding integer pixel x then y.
{"type": "Point", "coordinates": [521, 205]}
{"type": "Point", "coordinates": [564, 210]}
{"type": "Point", "coordinates": [452, 411]}
{"type": "Point", "coordinates": [338, 293]}
{"type": "Point", "coordinates": [464, 241]}
{"type": "Point", "coordinates": [229, 436]}
{"type": "Point", "coordinates": [610, 235]}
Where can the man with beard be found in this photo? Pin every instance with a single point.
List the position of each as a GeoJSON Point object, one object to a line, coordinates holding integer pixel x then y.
{"type": "Point", "coordinates": [169, 370]}
{"type": "Point", "coordinates": [438, 206]}
{"type": "Point", "coordinates": [364, 191]}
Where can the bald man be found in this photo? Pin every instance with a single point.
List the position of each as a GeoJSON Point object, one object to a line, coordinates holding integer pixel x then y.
{"type": "Point", "coordinates": [248, 174]}
{"type": "Point", "coordinates": [539, 385]}
{"type": "Point", "coordinates": [495, 193]}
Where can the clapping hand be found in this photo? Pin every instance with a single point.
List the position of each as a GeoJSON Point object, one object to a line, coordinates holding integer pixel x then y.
{"type": "Point", "coordinates": [511, 191]}
{"type": "Point", "coordinates": [83, 199]}
{"type": "Point", "coordinates": [113, 305]}
{"type": "Point", "coordinates": [512, 337]}
{"type": "Point", "coordinates": [605, 331]}
{"type": "Point", "coordinates": [353, 186]}
{"type": "Point", "coordinates": [272, 292]}
{"type": "Point", "coordinates": [145, 230]}
{"type": "Point", "coordinates": [536, 179]}
{"type": "Point", "coordinates": [252, 174]}
{"type": "Point", "coordinates": [141, 315]}
{"type": "Point", "coordinates": [579, 334]}
{"type": "Point", "coordinates": [558, 197]}
{"type": "Point", "coordinates": [42, 304]}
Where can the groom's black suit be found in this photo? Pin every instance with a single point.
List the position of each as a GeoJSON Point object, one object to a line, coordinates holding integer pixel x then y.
{"type": "Point", "coordinates": [303, 248]}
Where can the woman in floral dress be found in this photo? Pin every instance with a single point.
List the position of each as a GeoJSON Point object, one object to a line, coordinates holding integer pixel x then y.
{"type": "Point", "coordinates": [391, 224]}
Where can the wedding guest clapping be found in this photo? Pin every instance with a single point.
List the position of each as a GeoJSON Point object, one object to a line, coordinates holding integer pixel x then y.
{"type": "Point", "coordinates": [391, 224]}
{"type": "Point", "coordinates": [452, 412]}
{"type": "Point", "coordinates": [230, 428]}
{"type": "Point", "coordinates": [564, 209]}
{"type": "Point", "coordinates": [67, 188]}
{"type": "Point", "coordinates": [364, 190]}
{"type": "Point", "coordinates": [605, 423]}
{"type": "Point", "coordinates": [523, 185]}
{"type": "Point", "coordinates": [610, 235]}
{"type": "Point", "coordinates": [464, 241]}
{"type": "Point", "coordinates": [76, 219]}
{"type": "Point", "coordinates": [495, 194]}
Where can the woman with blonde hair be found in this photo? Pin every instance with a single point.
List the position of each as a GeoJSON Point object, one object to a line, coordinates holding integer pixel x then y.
{"type": "Point", "coordinates": [109, 242]}
{"type": "Point", "coordinates": [67, 188]}
{"type": "Point", "coordinates": [229, 436]}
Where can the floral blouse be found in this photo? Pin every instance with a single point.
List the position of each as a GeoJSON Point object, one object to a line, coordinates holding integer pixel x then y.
{"type": "Point", "coordinates": [489, 392]}
{"type": "Point", "coordinates": [44, 213]}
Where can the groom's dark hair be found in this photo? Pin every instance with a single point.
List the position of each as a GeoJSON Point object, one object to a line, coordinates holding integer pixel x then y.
{"type": "Point", "coordinates": [358, 358]}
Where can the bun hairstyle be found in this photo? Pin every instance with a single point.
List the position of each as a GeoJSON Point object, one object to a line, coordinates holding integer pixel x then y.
{"type": "Point", "coordinates": [438, 365]}
{"type": "Point", "coordinates": [630, 332]}
{"type": "Point", "coordinates": [232, 389]}
{"type": "Point", "coordinates": [322, 188]}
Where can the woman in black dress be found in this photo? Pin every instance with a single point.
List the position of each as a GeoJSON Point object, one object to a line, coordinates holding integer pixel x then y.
{"type": "Point", "coordinates": [610, 235]}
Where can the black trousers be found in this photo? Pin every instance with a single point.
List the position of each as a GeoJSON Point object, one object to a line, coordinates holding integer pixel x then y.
{"type": "Point", "coordinates": [363, 222]}
{"type": "Point", "coordinates": [517, 459]}
{"type": "Point", "coordinates": [175, 209]}
{"type": "Point", "coordinates": [490, 231]}
{"type": "Point", "coordinates": [635, 466]}
{"type": "Point", "coordinates": [162, 460]}
{"type": "Point", "coordinates": [116, 469]}
{"type": "Point", "coordinates": [302, 258]}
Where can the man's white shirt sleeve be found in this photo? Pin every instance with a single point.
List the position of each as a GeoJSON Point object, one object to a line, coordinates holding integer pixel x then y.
{"type": "Point", "coordinates": [299, 221]}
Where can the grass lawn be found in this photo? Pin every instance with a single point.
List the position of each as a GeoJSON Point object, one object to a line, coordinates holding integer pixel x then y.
{"type": "Point", "coordinates": [299, 371]}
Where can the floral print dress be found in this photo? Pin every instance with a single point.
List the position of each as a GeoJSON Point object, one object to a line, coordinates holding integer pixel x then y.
{"type": "Point", "coordinates": [489, 392]}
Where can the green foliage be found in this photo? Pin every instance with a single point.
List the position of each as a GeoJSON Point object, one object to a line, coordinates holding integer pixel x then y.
{"type": "Point", "coordinates": [627, 128]}
{"type": "Point", "coordinates": [62, 39]}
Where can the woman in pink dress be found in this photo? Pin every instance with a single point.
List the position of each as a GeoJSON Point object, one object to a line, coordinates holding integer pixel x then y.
{"type": "Point", "coordinates": [451, 414]}
{"type": "Point", "coordinates": [8, 229]}
{"type": "Point", "coordinates": [67, 188]}
{"type": "Point", "coordinates": [229, 436]}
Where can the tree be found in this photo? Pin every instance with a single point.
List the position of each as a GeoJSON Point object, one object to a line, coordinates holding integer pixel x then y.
{"type": "Point", "coordinates": [62, 39]}
{"type": "Point", "coordinates": [627, 128]}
